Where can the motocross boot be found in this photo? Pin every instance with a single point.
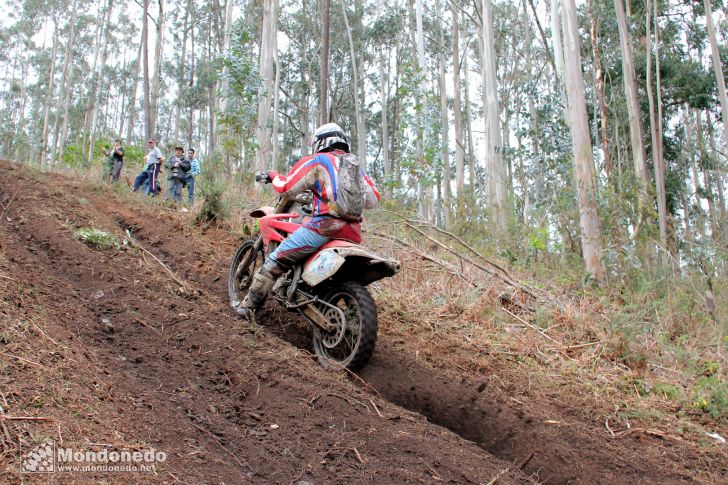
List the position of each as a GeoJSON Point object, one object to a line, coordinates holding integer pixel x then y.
{"type": "Point", "coordinates": [262, 283]}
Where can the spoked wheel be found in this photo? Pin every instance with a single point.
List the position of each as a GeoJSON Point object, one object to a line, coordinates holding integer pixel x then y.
{"type": "Point", "coordinates": [242, 269]}
{"type": "Point", "coordinates": [351, 342]}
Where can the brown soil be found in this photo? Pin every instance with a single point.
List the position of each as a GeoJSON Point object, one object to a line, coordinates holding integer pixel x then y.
{"type": "Point", "coordinates": [174, 370]}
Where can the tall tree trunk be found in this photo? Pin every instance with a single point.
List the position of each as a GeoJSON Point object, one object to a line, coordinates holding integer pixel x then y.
{"type": "Point", "coordinates": [717, 67]}
{"type": "Point", "coordinates": [276, 101]}
{"type": "Point", "coordinates": [159, 43]}
{"type": "Point", "coordinates": [383, 86]}
{"type": "Point", "coordinates": [557, 41]}
{"type": "Point", "coordinates": [532, 120]}
{"type": "Point", "coordinates": [133, 94]}
{"type": "Point", "coordinates": [633, 106]}
{"type": "Point", "coordinates": [469, 126]}
{"type": "Point", "coordinates": [656, 142]}
{"type": "Point", "coordinates": [181, 73]}
{"type": "Point", "coordinates": [591, 238]}
{"type": "Point", "coordinates": [267, 49]}
{"type": "Point", "coordinates": [444, 117]}
{"type": "Point", "coordinates": [457, 103]}
{"type": "Point", "coordinates": [425, 200]}
{"type": "Point", "coordinates": [67, 80]}
{"type": "Point", "coordinates": [224, 99]}
{"type": "Point", "coordinates": [148, 127]}
{"type": "Point", "coordinates": [601, 91]}
{"type": "Point", "coordinates": [49, 94]}
{"type": "Point", "coordinates": [324, 72]}
{"type": "Point", "coordinates": [99, 79]}
{"type": "Point", "coordinates": [361, 135]}
{"type": "Point", "coordinates": [497, 182]}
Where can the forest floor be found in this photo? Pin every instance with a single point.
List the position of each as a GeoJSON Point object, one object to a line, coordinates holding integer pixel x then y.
{"type": "Point", "coordinates": [105, 349]}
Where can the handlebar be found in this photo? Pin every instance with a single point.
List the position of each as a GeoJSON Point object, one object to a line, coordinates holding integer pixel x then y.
{"type": "Point", "coordinates": [263, 177]}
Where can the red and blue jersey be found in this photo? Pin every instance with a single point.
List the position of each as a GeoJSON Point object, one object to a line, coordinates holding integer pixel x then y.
{"type": "Point", "coordinates": [318, 173]}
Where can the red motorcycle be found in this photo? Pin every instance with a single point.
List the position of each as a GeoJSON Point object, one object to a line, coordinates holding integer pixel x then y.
{"type": "Point", "coordinates": [328, 288]}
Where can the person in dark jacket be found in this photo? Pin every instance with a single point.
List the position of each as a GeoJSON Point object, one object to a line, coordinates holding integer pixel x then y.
{"type": "Point", "coordinates": [177, 166]}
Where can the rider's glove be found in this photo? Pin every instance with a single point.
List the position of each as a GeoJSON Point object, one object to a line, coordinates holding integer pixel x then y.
{"type": "Point", "coordinates": [262, 177]}
{"type": "Point", "coordinates": [271, 175]}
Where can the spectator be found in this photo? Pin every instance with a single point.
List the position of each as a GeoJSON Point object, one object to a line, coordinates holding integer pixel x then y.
{"type": "Point", "coordinates": [150, 176]}
{"type": "Point", "coordinates": [194, 172]}
{"type": "Point", "coordinates": [178, 167]}
{"type": "Point", "coordinates": [116, 160]}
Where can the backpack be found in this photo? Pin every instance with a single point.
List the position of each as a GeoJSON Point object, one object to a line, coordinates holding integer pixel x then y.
{"type": "Point", "coordinates": [350, 194]}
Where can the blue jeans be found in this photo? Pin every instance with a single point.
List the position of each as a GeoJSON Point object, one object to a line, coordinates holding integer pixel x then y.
{"type": "Point", "coordinates": [190, 182]}
{"type": "Point", "coordinates": [297, 246]}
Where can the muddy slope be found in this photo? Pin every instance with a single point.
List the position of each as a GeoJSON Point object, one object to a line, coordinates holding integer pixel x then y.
{"type": "Point", "coordinates": [175, 370]}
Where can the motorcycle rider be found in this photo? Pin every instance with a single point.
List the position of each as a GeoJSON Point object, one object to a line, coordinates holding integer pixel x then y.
{"type": "Point", "coordinates": [317, 173]}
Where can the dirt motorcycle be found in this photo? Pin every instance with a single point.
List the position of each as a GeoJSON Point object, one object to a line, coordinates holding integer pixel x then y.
{"type": "Point", "coordinates": [328, 288]}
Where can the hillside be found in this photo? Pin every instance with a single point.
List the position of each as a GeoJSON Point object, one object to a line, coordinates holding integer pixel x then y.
{"type": "Point", "coordinates": [103, 348]}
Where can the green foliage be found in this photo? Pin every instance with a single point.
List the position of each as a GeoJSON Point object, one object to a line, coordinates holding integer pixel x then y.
{"type": "Point", "coordinates": [239, 68]}
{"type": "Point", "coordinates": [670, 391]}
{"type": "Point", "coordinates": [96, 238]}
{"type": "Point", "coordinates": [212, 189]}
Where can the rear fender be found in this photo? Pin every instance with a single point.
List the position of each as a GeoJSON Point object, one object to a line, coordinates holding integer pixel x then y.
{"type": "Point", "coordinates": [358, 263]}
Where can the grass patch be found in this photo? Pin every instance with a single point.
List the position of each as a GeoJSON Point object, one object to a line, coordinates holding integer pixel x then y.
{"type": "Point", "coordinates": [97, 239]}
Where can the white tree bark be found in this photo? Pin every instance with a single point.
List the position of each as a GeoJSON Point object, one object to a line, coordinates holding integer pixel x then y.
{"type": "Point", "coordinates": [49, 94]}
{"type": "Point", "coordinates": [457, 103]}
{"type": "Point", "coordinates": [267, 48]}
{"type": "Point", "coordinates": [383, 100]}
{"type": "Point", "coordinates": [67, 75]}
{"type": "Point", "coordinates": [361, 135]}
{"type": "Point", "coordinates": [633, 106]}
{"type": "Point", "coordinates": [656, 132]}
{"type": "Point", "coordinates": [444, 142]}
{"type": "Point", "coordinates": [591, 239]}
{"type": "Point", "coordinates": [497, 178]}
{"type": "Point", "coordinates": [99, 81]}
{"type": "Point", "coordinates": [717, 67]}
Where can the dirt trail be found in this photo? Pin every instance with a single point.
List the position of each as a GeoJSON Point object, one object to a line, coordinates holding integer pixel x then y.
{"type": "Point", "coordinates": [180, 372]}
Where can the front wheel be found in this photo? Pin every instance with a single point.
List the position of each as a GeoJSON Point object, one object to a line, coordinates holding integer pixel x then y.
{"type": "Point", "coordinates": [352, 341]}
{"type": "Point", "coordinates": [245, 263]}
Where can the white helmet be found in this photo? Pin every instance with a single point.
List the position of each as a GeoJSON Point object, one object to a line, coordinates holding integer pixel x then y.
{"type": "Point", "coordinates": [329, 137]}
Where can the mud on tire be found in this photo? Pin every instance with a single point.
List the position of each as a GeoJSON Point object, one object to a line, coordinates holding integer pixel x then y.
{"type": "Point", "coordinates": [238, 285]}
{"type": "Point", "coordinates": [358, 343]}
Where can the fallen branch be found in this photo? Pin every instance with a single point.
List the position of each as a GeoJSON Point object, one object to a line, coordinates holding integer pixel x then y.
{"type": "Point", "coordinates": [500, 474]}
{"type": "Point", "coordinates": [171, 273]}
{"type": "Point", "coordinates": [24, 360]}
{"type": "Point", "coordinates": [5, 417]}
{"type": "Point", "coordinates": [223, 447]}
{"type": "Point", "coordinates": [435, 475]}
{"type": "Point", "coordinates": [540, 331]}
{"type": "Point", "coordinates": [358, 456]}
{"type": "Point", "coordinates": [8, 278]}
{"type": "Point", "coordinates": [376, 408]}
{"type": "Point", "coordinates": [438, 262]}
{"type": "Point", "coordinates": [5, 207]}
{"type": "Point", "coordinates": [7, 439]}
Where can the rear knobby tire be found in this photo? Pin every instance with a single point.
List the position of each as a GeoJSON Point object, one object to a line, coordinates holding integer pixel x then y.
{"type": "Point", "coordinates": [357, 346]}
{"type": "Point", "coordinates": [238, 286]}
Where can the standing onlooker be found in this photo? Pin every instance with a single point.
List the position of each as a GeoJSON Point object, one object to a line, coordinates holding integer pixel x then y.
{"type": "Point", "coordinates": [178, 167]}
{"type": "Point", "coordinates": [150, 175]}
{"type": "Point", "coordinates": [116, 160]}
{"type": "Point", "coordinates": [194, 172]}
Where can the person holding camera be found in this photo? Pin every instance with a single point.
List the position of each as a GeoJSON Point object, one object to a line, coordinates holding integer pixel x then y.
{"type": "Point", "coordinates": [177, 166]}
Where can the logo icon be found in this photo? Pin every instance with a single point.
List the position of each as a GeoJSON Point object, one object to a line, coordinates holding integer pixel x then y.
{"type": "Point", "coordinates": [39, 459]}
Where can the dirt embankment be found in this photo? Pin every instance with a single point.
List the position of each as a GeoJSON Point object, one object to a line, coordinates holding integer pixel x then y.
{"type": "Point", "coordinates": [121, 355]}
